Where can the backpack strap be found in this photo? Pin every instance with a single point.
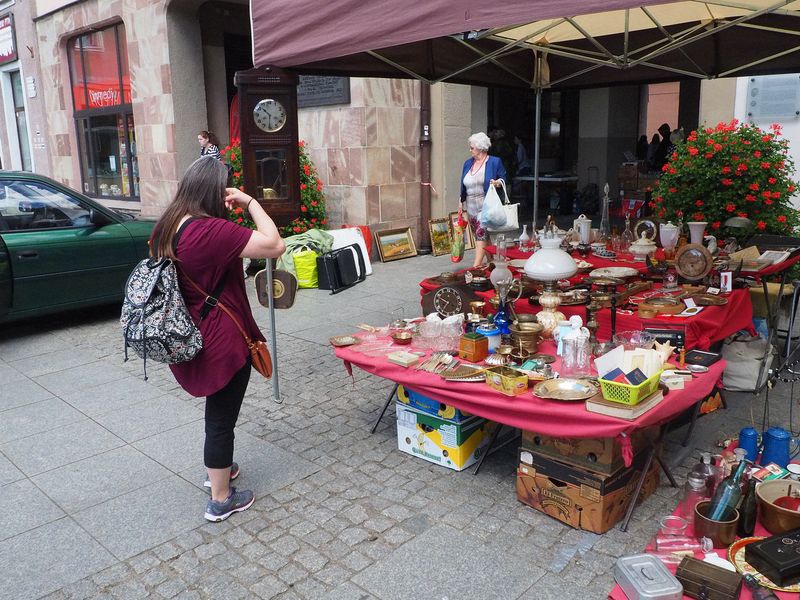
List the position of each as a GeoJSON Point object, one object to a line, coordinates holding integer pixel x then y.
{"type": "Point", "coordinates": [211, 300]}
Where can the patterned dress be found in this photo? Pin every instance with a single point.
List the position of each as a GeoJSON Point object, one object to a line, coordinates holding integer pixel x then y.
{"type": "Point", "coordinates": [475, 195]}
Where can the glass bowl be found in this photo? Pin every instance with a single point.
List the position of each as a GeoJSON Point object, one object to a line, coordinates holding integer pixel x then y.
{"type": "Point", "coordinates": [631, 340]}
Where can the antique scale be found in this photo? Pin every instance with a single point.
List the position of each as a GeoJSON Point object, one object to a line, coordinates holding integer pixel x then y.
{"type": "Point", "coordinates": [270, 159]}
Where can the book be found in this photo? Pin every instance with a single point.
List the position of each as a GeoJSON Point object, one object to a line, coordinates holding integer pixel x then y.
{"type": "Point", "coordinates": [701, 357]}
{"type": "Point", "coordinates": [599, 405]}
{"type": "Point", "coordinates": [773, 257]}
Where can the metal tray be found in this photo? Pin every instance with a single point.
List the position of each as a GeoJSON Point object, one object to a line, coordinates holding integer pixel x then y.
{"type": "Point", "coordinates": [566, 390]}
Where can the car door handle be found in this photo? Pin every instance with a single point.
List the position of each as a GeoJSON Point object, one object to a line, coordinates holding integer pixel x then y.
{"type": "Point", "coordinates": [28, 254]}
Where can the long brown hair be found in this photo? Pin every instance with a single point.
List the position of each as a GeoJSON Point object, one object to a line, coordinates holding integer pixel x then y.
{"type": "Point", "coordinates": [201, 193]}
{"type": "Point", "coordinates": [211, 137]}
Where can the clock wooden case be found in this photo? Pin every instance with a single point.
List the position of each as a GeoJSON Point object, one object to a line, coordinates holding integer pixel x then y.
{"type": "Point", "coordinates": [448, 300]}
{"type": "Point", "coordinates": [269, 138]}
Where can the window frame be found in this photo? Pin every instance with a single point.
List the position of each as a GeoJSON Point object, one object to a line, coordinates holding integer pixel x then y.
{"type": "Point", "coordinates": [122, 111]}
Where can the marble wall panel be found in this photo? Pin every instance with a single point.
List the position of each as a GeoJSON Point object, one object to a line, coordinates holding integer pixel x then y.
{"type": "Point", "coordinates": [411, 126]}
{"type": "Point", "coordinates": [404, 163]}
{"type": "Point", "coordinates": [356, 166]}
{"type": "Point", "coordinates": [373, 195]}
{"type": "Point", "coordinates": [413, 199]}
{"type": "Point", "coordinates": [329, 124]}
{"type": "Point", "coordinates": [375, 92]}
{"type": "Point", "coordinates": [337, 165]}
{"type": "Point", "coordinates": [355, 205]}
{"type": "Point", "coordinates": [352, 128]}
{"type": "Point", "coordinates": [371, 126]}
{"type": "Point", "coordinates": [319, 156]}
{"type": "Point", "coordinates": [379, 169]}
{"type": "Point", "coordinates": [393, 201]}
{"type": "Point", "coordinates": [404, 92]}
{"type": "Point", "coordinates": [308, 128]}
{"type": "Point", "coordinates": [390, 126]}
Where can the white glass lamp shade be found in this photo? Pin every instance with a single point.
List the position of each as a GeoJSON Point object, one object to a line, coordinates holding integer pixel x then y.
{"type": "Point", "coordinates": [550, 263]}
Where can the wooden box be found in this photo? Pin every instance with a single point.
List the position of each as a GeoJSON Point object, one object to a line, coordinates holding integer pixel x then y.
{"type": "Point", "coordinates": [601, 455]}
{"type": "Point", "coordinates": [473, 347]}
{"type": "Point", "coordinates": [705, 581]}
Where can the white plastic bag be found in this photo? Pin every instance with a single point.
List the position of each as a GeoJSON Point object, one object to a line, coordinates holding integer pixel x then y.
{"type": "Point", "coordinates": [512, 218]}
{"type": "Point", "coordinates": [493, 215]}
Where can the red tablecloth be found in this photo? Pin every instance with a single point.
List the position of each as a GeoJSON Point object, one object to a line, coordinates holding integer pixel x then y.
{"type": "Point", "coordinates": [618, 594]}
{"type": "Point", "coordinates": [548, 417]}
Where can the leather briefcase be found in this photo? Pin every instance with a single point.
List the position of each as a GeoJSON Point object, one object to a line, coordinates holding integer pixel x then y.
{"type": "Point", "coordinates": [340, 269]}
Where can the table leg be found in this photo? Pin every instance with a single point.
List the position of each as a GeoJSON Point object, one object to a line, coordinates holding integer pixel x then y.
{"type": "Point", "coordinates": [491, 448]}
{"type": "Point", "coordinates": [692, 423]}
{"type": "Point", "coordinates": [385, 406]}
{"type": "Point", "coordinates": [632, 502]}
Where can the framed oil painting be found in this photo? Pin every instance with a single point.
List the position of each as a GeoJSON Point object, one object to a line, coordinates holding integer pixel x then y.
{"type": "Point", "coordinates": [394, 244]}
{"type": "Point", "coordinates": [441, 242]}
{"type": "Point", "coordinates": [469, 237]}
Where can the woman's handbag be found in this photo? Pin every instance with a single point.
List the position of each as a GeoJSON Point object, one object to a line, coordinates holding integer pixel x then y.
{"type": "Point", "coordinates": [259, 352]}
{"type": "Point", "coordinates": [511, 211]}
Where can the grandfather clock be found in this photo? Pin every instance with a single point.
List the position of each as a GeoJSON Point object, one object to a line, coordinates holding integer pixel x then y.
{"type": "Point", "coordinates": [268, 125]}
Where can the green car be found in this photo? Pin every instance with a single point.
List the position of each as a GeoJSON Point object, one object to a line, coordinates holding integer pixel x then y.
{"type": "Point", "coordinates": [60, 250]}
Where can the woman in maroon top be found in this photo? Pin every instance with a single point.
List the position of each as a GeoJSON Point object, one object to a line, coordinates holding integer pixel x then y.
{"type": "Point", "coordinates": [207, 249]}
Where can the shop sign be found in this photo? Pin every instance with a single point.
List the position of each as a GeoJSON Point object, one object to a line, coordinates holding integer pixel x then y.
{"type": "Point", "coordinates": [314, 90]}
{"type": "Point", "coordinates": [103, 98]}
{"type": "Point", "coordinates": [8, 44]}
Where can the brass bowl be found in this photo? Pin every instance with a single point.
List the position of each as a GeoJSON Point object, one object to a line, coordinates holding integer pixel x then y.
{"type": "Point", "coordinates": [526, 327]}
{"type": "Point", "coordinates": [402, 337]}
{"type": "Point", "coordinates": [504, 350]}
{"type": "Point", "coordinates": [774, 518]}
{"type": "Point", "coordinates": [526, 318]}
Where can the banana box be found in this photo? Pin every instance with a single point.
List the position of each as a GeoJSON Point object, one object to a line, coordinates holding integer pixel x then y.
{"type": "Point", "coordinates": [452, 445]}
{"type": "Point", "coordinates": [429, 405]}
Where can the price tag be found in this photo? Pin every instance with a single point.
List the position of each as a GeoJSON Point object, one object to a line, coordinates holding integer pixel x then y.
{"type": "Point", "coordinates": [689, 303]}
{"type": "Point", "coordinates": [712, 290]}
{"type": "Point", "coordinates": [726, 282]}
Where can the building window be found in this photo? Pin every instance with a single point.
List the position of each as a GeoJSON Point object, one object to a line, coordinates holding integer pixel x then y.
{"type": "Point", "coordinates": [101, 97]}
{"type": "Point", "coordinates": [21, 121]}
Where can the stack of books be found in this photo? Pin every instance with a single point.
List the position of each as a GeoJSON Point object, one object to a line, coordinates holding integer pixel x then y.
{"type": "Point", "coordinates": [597, 404]}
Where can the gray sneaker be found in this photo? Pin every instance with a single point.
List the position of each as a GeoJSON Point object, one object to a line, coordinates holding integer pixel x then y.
{"type": "Point", "coordinates": [236, 502]}
{"type": "Point", "coordinates": [234, 475]}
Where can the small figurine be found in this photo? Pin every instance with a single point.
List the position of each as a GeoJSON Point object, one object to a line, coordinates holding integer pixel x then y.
{"type": "Point", "coordinates": [711, 244]}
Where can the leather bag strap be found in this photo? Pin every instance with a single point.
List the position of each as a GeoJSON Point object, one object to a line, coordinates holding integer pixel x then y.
{"type": "Point", "coordinates": [224, 309]}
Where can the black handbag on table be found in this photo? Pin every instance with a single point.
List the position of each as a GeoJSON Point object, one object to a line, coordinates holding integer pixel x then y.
{"type": "Point", "coordinates": [340, 269]}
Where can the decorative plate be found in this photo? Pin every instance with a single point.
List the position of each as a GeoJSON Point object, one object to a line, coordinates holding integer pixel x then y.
{"type": "Point", "coordinates": [545, 358]}
{"type": "Point", "coordinates": [736, 556]}
{"type": "Point", "coordinates": [565, 390]}
{"type": "Point", "coordinates": [708, 300]}
{"type": "Point", "coordinates": [615, 272]}
{"type": "Point", "coordinates": [605, 253]}
{"type": "Point", "coordinates": [583, 266]}
{"type": "Point", "coordinates": [343, 340]}
{"type": "Point", "coordinates": [464, 373]}
{"type": "Point", "coordinates": [647, 227]}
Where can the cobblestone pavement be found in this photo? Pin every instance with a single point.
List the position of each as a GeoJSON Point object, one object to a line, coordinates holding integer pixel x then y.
{"type": "Point", "coordinates": [103, 494]}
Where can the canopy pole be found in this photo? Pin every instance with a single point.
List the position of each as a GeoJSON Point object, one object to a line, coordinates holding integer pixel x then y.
{"type": "Point", "coordinates": [536, 136]}
{"type": "Point", "coordinates": [425, 167]}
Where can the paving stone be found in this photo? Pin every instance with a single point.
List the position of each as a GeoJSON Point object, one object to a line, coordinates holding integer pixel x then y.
{"type": "Point", "coordinates": [171, 588]}
{"type": "Point", "coordinates": [292, 573]}
{"type": "Point", "coordinates": [129, 590]}
{"type": "Point", "coordinates": [273, 561]}
{"type": "Point", "coordinates": [268, 587]}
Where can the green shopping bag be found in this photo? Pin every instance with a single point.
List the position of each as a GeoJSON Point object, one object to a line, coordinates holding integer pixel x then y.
{"type": "Point", "coordinates": [305, 265]}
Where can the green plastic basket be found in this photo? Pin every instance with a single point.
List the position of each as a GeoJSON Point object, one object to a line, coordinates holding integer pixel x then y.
{"type": "Point", "coordinates": [629, 394]}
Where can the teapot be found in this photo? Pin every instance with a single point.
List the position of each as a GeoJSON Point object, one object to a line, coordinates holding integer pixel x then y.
{"type": "Point", "coordinates": [669, 234]}
{"type": "Point", "coordinates": [642, 247]}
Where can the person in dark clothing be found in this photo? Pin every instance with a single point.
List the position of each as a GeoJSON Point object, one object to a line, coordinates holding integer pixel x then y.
{"type": "Point", "coordinates": [662, 152]}
{"type": "Point", "coordinates": [641, 148]}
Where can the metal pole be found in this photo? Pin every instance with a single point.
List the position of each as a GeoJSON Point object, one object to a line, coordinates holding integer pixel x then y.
{"type": "Point", "coordinates": [276, 388]}
{"type": "Point", "coordinates": [425, 164]}
{"type": "Point", "coordinates": [536, 137]}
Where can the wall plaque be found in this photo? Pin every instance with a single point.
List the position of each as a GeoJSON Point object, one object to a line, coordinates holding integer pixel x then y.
{"type": "Point", "coordinates": [315, 90]}
{"type": "Point", "coordinates": [772, 96]}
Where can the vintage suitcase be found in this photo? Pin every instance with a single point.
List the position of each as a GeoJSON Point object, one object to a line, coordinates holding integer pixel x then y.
{"type": "Point", "coordinates": [705, 581]}
{"type": "Point", "coordinates": [339, 269]}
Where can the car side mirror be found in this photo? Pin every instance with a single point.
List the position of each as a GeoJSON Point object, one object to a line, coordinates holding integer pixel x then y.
{"type": "Point", "coordinates": [98, 218]}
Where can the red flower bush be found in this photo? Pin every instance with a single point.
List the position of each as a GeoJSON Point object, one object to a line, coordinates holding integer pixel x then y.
{"type": "Point", "coordinates": [731, 169]}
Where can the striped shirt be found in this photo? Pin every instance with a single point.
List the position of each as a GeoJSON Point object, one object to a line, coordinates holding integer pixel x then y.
{"type": "Point", "coordinates": [211, 150]}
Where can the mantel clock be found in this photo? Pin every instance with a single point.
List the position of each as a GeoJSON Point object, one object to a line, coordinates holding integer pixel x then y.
{"type": "Point", "coordinates": [269, 138]}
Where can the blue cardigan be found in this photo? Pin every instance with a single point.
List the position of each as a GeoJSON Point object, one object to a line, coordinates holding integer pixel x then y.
{"type": "Point", "coordinates": [494, 170]}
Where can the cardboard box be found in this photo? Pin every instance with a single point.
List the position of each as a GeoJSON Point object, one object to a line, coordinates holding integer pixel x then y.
{"type": "Point", "coordinates": [431, 406]}
{"type": "Point", "coordinates": [452, 445]}
{"type": "Point", "coordinates": [601, 455]}
{"type": "Point", "coordinates": [580, 498]}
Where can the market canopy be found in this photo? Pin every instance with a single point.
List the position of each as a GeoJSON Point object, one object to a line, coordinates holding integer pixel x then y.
{"type": "Point", "coordinates": [582, 42]}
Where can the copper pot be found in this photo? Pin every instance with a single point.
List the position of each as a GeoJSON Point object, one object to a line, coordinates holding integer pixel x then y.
{"type": "Point", "coordinates": [774, 518]}
{"type": "Point", "coordinates": [721, 533]}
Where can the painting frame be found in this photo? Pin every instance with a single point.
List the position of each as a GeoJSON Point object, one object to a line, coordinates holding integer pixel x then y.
{"type": "Point", "coordinates": [469, 236]}
{"type": "Point", "coordinates": [441, 236]}
{"type": "Point", "coordinates": [406, 248]}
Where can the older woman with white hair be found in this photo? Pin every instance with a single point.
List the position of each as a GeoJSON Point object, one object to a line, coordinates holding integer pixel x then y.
{"type": "Point", "coordinates": [479, 172]}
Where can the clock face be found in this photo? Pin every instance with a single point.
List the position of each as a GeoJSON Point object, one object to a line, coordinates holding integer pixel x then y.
{"type": "Point", "coordinates": [447, 301]}
{"type": "Point", "coordinates": [269, 115]}
{"type": "Point", "coordinates": [693, 262]}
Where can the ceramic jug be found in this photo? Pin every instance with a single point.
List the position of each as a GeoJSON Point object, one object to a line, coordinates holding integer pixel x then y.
{"type": "Point", "coordinates": [583, 225]}
{"type": "Point", "coordinates": [776, 446]}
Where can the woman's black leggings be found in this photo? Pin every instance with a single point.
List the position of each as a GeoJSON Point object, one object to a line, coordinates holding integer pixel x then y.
{"type": "Point", "coordinates": [222, 410]}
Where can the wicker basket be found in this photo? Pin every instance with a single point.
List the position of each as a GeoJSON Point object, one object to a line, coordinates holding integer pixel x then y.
{"type": "Point", "coordinates": [629, 394]}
